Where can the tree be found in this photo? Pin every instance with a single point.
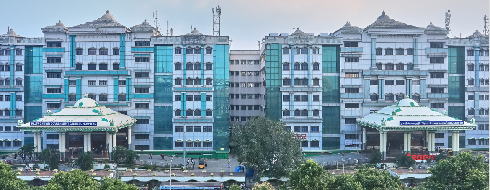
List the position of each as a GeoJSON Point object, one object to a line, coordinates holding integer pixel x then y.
{"type": "Point", "coordinates": [115, 184]}
{"type": "Point", "coordinates": [51, 157]}
{"type": "Point", "coordinates": [235, 187]}
{"type": "Point", "coordinates": [26, 151]}
{"type": "Point", "coordinates": [75, 179]}
{"type": "Point", "coordinates": [263, 186]}
{"type": "Point", "coordinates": [375, 157]}
{"type": "Point", "coordinates": [404, 161]}
{"type": "Point", "coordinates": [459, 172]}
{"type": "Point", "coordinates": [371, 178]}
{"type": "Point", "coordinates": [85, 161]}
{"type": "Point", "coordinates": [343, 182]}
{"type": "Point", "coordinates": [309, 175]}
{"type": "Point", "coordinates": [9, 180]}
{"type": "Point", "coordinates": [266, 146]}
{"type": "Point", "coordinates": [123, 155]}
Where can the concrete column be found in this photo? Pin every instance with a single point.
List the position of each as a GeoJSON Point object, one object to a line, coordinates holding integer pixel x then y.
{"type": "Point", "coordinates": [409, 142]}
{"type": "Point", "coordinates": [429, 141]}
{"type": "Point", "coordinates": [129, 137]}
{"type": "Point", "coordinates": [114, 140]}
{"type": "Point", "coordinates": [433, 142]}
{"type": "Point", "coordinates": [85, 140]}
{"type": "Point", "coordinates": [382, 144]}
{"type": "Point", "coordinates": [62, 145]}
{"type": "Point", "coordinates": [35, 142]}
{"type": "Point", "coordinates": [405, 141]}
{"type": "Point", "coordinates": [109, 141]}
{"type": "Point", "coordinates": [39, 142]}
{"type": "Point", "coordinates": [364, 140]}
{"type": "Point", "coordinates": [89, 142]}
{"type": "Point", "coordinates": [455, 142]}
{"type": "Point", "coordinates": [385, 138]}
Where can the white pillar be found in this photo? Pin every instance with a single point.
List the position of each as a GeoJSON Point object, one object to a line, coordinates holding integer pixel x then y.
{"type": "Point", "coordinates": [85, 140]}
{"type": "Point", "coordinates": [433, 136]}
{"type": "Point", "coordinates": [89, 142]}
{"type": "Point", "coordinates": [40, 145]}
{"type": "Point", "coordinates": [129, 137]}
{"type": "Point", "coordinates": [114, 140]}
{"type": "Point", "coordinates": [364, 140]}
{"type": "Point", "coordinates": [382, 144]}
{"type": "Point", "coordinates": [35, 142]}
{"type": "Point", "coordinates": [455, 142]}
{"type": "Point", "coordinates": [385, 138]}
{"type": "Point", "coordinates": [61, 145]}
{"type": "Point", "coordinates": [405, 141]}
{"type": "Point", "coordinates": [108, 138]}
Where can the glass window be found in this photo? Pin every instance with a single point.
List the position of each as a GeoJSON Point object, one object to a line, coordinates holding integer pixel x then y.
{"type": "Point", "coordinates": [351, 90]}
{"type": "Point", "coordinates": [436, 44]}
{"type": "Point", "coordinates": [351, 75]}
{"type": "Point", "coordinates": [103, 97]}
{"type": "Point", "coordinates": [437, 105]}
{"type": "Point", "coordinates": [400, 82]}
{"type": "Point", "coordinates": [142, 43]}
{"type": "Point", "coordinates": [141, 59]}
{"type": "Point", "coordinates": [352, 59]}
{"type": "Point", "coordinates": [388, 51]}
{"type": "Point", "coordinates": [53, 59]}
{"type": "Point", "coordinates": [373, 82]}
{"type": "Point", "coordinates": [78, 67]}
{"type": "Point", "coordinates": [304, 143]}
{"type": "Point", "coordinates": [285, 51]}
{"type": "Point", "coordinates": [92, 51]}
{"type": "Point", "coordinates": [209, 50]}
{"type": "Point", "coordinates": [92, 67]}
{"type": "Point", "coordinates": [400, 67]}
{"type": "Point", "coordinates": [142, 74]}
{"type": "Point", "coordinates": [78, 51]}
{"type": "Point", "coordinates": [400, 51]}
{"type": "Point", "coordinates": [389, 82]}
{"type": "Point", "coordinates": [409, 51]}
{"type": "Point", "coordinates": [379, 51]}
{"type": "Point", "coordinates": [115, 51]}
{"type": "Point", "coordinates": [285, 66]}
{"type": "Point", "coordinates": [103, 51]}
{"type": "Point", "coordinates": [142, 105]}
{"type": "Point", "coordinates": [436, 75]}
{"type": "Point", "coordinates": [103, 66]}
{"type": "Point", "coordinates": [178, 51]}
{"type": "Point", "coordinates": [437, 60]}
{"type": "Point", "coordinates": [351, 105]}
{"type": "Point", "coordinates": [351, 44]}
{"type": "Point", "coordinates": [389, 66]}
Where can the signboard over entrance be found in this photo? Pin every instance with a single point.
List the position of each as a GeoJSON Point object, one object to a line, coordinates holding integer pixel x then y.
{"type": "Point", "coordinates": [431, 122]}
{"type": "Point", "coordinates": [300, 136]}
{"type": "Point", "coordinates": [41, 123]}
{"type": "Point", "coordinates": [421, 157]}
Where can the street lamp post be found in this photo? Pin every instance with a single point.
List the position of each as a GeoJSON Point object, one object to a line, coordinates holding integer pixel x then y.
{"type": "Point", "coordinates": [184, 117]}
{"type": "Point", "coordinates": [171, 160]}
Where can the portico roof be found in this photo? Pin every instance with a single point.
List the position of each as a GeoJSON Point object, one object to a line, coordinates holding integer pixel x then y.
{"type": "Point", "coordinates": [407, 115]}
{"type": "Point", "coordinates": [85, 115]}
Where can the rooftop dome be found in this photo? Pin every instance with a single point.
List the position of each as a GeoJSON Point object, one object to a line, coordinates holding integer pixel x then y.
{"type": "Point", "coordinates": [298, 32]}
{"type": "Point", "coordinates": [384, 21]}
{"type": "Point", "coordinates": [107, 20]}
{"type": "Point", "coordinates": [11, 32]}
{"type": "Point", "coordinates": [194, 32]}
{"type": "Point", "coordinates": [407, 102]}
{"type": "Point", "coordinates": [86, 102]}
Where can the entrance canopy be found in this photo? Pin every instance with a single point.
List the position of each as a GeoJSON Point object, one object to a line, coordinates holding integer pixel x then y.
{"type": "Point", "coordinates": [85, 116]}
{"type": "Point", "coordinates": [407, 115]}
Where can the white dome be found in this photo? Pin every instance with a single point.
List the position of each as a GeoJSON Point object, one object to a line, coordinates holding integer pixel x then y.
{"type": "Point", "coordinates": [407, 102]}
{"type": "Point", "coordinates": [86, 102]}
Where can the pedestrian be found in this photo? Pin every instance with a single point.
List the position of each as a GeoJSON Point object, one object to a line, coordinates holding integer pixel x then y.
{"type": "Point", "coordinates": [187, 161]}
{"type": "Point", "coordinates": [151, 156]}
{"type": "Point", "coordinates": [163, 156]}
{"type": "Point", "coordinates": [205, 163]}
{"type": "Point", "coordinates": [343, 153]}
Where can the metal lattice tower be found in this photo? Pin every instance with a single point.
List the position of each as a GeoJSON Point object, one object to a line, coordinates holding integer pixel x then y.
{"type": "Point", "coordinates": [155, 20]}
{"type": "Point", "coordinates": [485, 27]}
{"type": "Point", "coordinates": [216, 21]}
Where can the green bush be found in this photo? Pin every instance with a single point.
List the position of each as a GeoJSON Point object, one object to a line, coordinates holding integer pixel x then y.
{"type": "Point", "coordinates": [375, 157]}
{"type": "Point", "coordinates": [404, 161]}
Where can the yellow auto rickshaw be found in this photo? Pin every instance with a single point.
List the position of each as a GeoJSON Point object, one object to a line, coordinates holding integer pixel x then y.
{"type": "Point", "coordinates": [201, 163]}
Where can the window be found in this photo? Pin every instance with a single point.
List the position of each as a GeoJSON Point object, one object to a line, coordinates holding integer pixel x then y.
{"type": "Point", "coordinates": [141, 147]}
{"type": "Point", "coordinates": [141, 59]}
{"type": "Point", "coordinates": [92, 51]}
{"type": "Point", "coordinates": [304, 128]}
{"type": "Point", "coordinates": [197, 129]}
{"type": "Point", "coordinates": [389, 82]}
{"type": "Point", "coordinates": [437, 105]}
{"type": "Point", "coordinates": [207, 144]}
{"type": "Point", "coordinates": [103, 97]}
{"type": "Point", "coordinates": [436, 60]}
{"type": "Point", "coordinates": [471, 81]}
{"type": "Point", "coordinates": [78, 51]}
{"type": "Point", "coordinates": [296, 129]}
{"type": "Point", "coordinates": [374, 97]}
{"type": "Point", "coordinates": [316, 98]}
{"type": "Point", "coordinates": [197, 97]}
{"type": "Point", "coordinates": [436, 90]}
{"type": "Point", "coordinates": [54, 105]}
{"type": "Point", "coordinates": [351, 75]}
{"type": "Point", "coordinates": [103, 51]}
{"type": "Point", "coordinates": [437, 45]}
{"type": "Point", "coordinates": [470, 52]}
{"type": "Point", "coordinates": [92, 66]}
{"type": "Point", "coordinates": [351, 105]}
{"type": "Point", "coordinates": [115, 51]}
{"type": "Point", "coordinates": [18, 97]}
{"type": "Point", "coordinates": [142, 90]}
{"type": "Point", "coordinates": [400, 82]}
{"type": "Point", "coordinates": [439, 135]}
{"type": "Point", "coordinates": [53, 44]}
{"type": "Point", "coordinates": [178, 66]}
{"type": "Point", "coordinates": [285, 51]}
{"type": "Point", "coordinates": [471, 111]}
{"type": "Point", "coordinates": [400, 67]}
{"type": "Point", "coordinates": [141, 136]}
{"type": "Point", "coordinates": [297, 113]}
{"type": "Point", "coordinates": [78, 66]}
{"type": "Point", "coordinates": [209, 50]}
{"type": "Point", "coordinates": [142, 43]}
{"type": "Point", "coordinates": [351, 44]}
{"type": "Point", "coordinates": [189, 51]}
{"type": "Point", "coordinates": [304, 66]}
{"type": "Point", "coordinates": [388, 51]}
{"type": "Point", "coordinates": [179, 144]}
{"type": "Point", "coordinates": [389, 67]}
{"type": "Point", "coordinates": [209, 81]}
{"type": "Point", "coordinates": [7, 81]}
{"type": "Point", "coordinates": [304, 143]}
{"type": "Point", "coordinates": [352, 59]}
{"type": "Point", "coordinates": [350, 120]}
{"type": "Point", "coordinates": [178, 98]}
{"type": "Point", "coordinates": [209, 98]}
{"type": "Point", "coordinates": [373, 82]}
{"type": "Point", "coordinates": [142, 105]}
{"type": "Point", "coordinates": [316, 82]}
{"type": "Point", "coordinates": [178, 51]}
{"type": "Point", "coordinates": [471, 67]}
{"type": "Point", "coordinates": [52, 136]}
{"type": "Point", "coordinates": [197, 50]}
{"type": "Point", "coordinates": [71, 97]}
{"type": "Point", "coordinates": [92, 82]}
{"type": "Point", "coordinates": [197, 66]}
{"type": "Point", "coordinates": [53, 59]}
{"type": "Point", "coordinates": [351, 90]}
{"type": "Point", "coordinates": [53, 75]}
{"type": "Point", "coordinates": [409, 51]}
{"type": "Point", "coordinates": [49, 91]}
{"type": "Point", "coordinates": [209, 66]}
{"type": "Point", "coordinates": [379, 51]}
{"type": "Point", "coordinates": [316, 113]}
{"type": "Point", "coordinates": [18, 67]}
{"type": "Point", "coordinates": [314, 143]}
{"type": "Point", "coordinates": [471, 141]}
{"type": "Point", "coordinates": [316, 66]}
{"type": "Point", "coordinates": [207, 129]}
{"type": "Point", "coordinates": [285, 66]}
{"type": "Point", "coordinates": [18, 82]}
{"type": "Point", "coordinates": [471, 97]}
{"type": "Point", "coordinates": [121, 82]}
{"type": "Point", "coordinates": [285, 98]}
{"type": "Point", "coordinates": [103, 66]}
{"type": "Point", "coordinates": [142, 74]}
{"type": "Point", "coordinates": [400, 96]}
{"type": "Point", "coordinates": [437, 75]}
{"type": "Point", "coordinates": [209, 113]}
{"type": "Point", "coordinates": [351, 136]}
{"type": "Point", "coordinates": [400, 51]}
{"type": "Point", "coordinates": [304, 98]}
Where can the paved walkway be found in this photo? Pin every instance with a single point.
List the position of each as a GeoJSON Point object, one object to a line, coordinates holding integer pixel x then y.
{"type": "Point", "coordinates": [331, 159]}
{"type": "Point", "coordinates": [214, 165]}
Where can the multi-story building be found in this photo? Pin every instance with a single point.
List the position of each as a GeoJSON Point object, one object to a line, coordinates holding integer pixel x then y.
{"type": "Point", "coordinates": [184, 90]}
{"type": "Point", "coordinates": [247, 76]}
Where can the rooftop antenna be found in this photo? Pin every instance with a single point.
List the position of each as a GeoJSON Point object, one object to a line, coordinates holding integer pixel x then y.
{"type": "Point", "coordinates": [167, 27]}
{"type": "Point", "coordinates": [155, 19]}
{"type": "Point", "coordinates": [216, 21]}
{"type": "Point", "coordinates": [448, 19]}
{"type": "Point", "coordinates": [259, 44]}
{"type": "Point", "coordinates": [485, 20]}
{"type": "Point", "coordinates": [8, 29]}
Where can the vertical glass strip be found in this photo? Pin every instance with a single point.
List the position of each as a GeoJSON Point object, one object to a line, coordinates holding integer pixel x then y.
{"type": "Point", "coordinates": [221, 97]}
{"type": "Point", "coordinates": [116, 88]}
{"type": "Point", "coordinates": [273, 80]}
{"type": "Point", "coordinates": [163, 89]}
{"type": "Point", "coordinates": [122, 53]}
{"type": "Point", "coordinates": [163, 121]}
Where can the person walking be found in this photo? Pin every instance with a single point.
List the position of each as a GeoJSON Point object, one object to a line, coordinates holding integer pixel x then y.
{"type": "Point", "coordinates": [163, 156]}
{"type": "Point", "coordinates": [151, 156]}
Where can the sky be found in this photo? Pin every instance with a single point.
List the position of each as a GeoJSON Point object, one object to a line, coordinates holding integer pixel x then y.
{"type": "Point", "coordinates": [246, 22]}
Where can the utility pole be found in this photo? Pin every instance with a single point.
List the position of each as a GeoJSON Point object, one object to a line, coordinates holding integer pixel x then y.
{"type": "Point", "coordinates": [217, 21]}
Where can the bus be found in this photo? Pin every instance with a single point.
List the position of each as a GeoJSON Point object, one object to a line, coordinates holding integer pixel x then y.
{"type": "Point", "coordinates": [192, 185]}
